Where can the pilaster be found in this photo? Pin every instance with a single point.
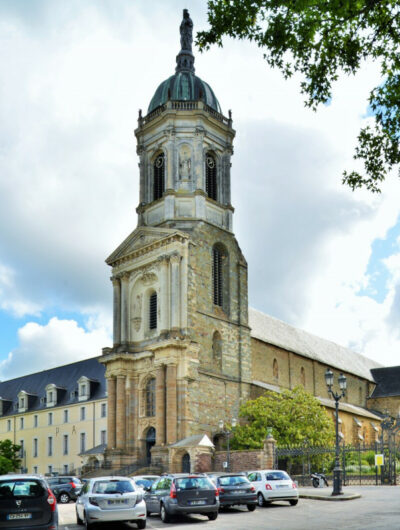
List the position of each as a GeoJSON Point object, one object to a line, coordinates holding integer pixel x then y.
{"type": "Point", "coordinates": [111, 424]}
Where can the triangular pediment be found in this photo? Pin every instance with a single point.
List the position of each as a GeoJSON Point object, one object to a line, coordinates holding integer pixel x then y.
{"type": "Point", "coordinates": [141, 237]}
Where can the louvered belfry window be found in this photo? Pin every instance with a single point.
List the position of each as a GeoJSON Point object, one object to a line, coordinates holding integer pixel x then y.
{"type": "Point", "coordinates": [217, 276]}
{"type": "Point", "coordinates": [159, 177]}
{"type": "Point", "coordinates": [153, 311]}
{"type": "Point", "coordinates": [211, 177]}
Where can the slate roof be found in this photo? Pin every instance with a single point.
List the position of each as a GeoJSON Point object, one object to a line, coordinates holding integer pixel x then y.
{"type": "Point", "coordinates": [387, 381]}
{"type": "Point", "coordinates": [65, 377]}
{"type": "Point", "coordinates": [273, 331]}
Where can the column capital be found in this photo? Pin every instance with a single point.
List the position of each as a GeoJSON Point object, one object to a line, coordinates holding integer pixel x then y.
{"type": "Point", "coordinates": [175, 257]}
{"type": "Point", "coordinates": [115, 279]}
{"type": "Point", "coordinates": [124, 276]}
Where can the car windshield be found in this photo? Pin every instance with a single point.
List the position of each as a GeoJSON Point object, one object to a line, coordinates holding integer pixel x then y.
{"type": "Point", "coordinates": [20, 488]}
{"type": "Point", "coordinates": [113, 486]}
{"type": "Point", "coordinates": [193, 483]}
{"type": "Point", "coordinates": [233, 481]}
{"type": "Point", "coordinates": [278, 475]}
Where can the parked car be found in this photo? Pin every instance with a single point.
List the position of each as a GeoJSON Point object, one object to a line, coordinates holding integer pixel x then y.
{"type": "Point", "coordinates": [145, 481]}
{"type": "Point", "coordinates": [273, 485]}
{"type": "Point", "coordinates": [182, 493]}
{"type": "Point", "coordinates": [110, 499]}
{"type": "Point", "coordinates": [26, 501]}
{"type": "Point", "coordinates": [235, 489]}
{"type": "Point", "coordinates": [65, 488]}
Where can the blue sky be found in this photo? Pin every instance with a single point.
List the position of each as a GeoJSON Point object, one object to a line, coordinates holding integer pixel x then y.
{"type": "Point", "coordinates": [72, 78]}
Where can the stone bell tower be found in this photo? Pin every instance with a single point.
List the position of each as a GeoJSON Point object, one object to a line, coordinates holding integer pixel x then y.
{"type": "Point", "coordinates": [181, 354]}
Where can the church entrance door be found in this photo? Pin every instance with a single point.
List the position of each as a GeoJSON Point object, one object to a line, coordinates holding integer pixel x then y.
{"type": "Point", "coordinates": [186, 463]}
{"type": "Point", "coordinates": [150, 441]}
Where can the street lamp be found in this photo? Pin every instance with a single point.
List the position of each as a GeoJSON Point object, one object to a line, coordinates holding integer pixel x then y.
{"type": "Point", "coordinates": [337, 472]}
{"type": "Point", "coordinates": [227, 433]}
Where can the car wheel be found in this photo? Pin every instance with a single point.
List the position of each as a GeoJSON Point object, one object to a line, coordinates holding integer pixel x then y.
{"type": "Point", "coordinates": [251, 507]}
{"type": "Point", "coordinates": [293, 502]}
{"type": "Point", "coordinates": [148, 513]}
{"type": "Point", "coordinates": [88, 525]}
{"type": "Point", "coordinates": [64, 498]}
{"type": "Point", "coordinates": [212, 516]}
{"type": "Point", "coordinates": [260, 499]}
{"type": "Point", "coordinates": [165, 516]}
{"type": "Point", "coordinates": [78, 519]}
{"type": "Point", "coordinates": [141, 523]}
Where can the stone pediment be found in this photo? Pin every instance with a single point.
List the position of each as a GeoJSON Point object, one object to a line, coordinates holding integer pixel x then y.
{"type": "Point", "coordinates": [140, 238]}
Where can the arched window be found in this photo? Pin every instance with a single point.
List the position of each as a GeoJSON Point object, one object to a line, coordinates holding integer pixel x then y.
{"type": "Point", "coordinates": [159, 177]}
{"type": "Point", "coordinates": [153, 311]}
{"type": "Point", "coordinates": [275, 369]}
{"type": "Point", "coordinates": [217, 351]}
{"type": "Point", "coordinates": [150, 396]}
{"type": "Point", "coordinates": [211, 176]}
{"type": "Point", "coordinates": [303, 377]}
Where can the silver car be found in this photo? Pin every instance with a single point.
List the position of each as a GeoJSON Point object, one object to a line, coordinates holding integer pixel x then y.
{"type": "Point", "coordinates": [110, 499]}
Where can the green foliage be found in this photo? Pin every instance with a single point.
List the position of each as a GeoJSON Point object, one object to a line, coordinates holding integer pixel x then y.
{"type": "Point", "coordinates": [295, 416]}
{"type": "Point", "coordinates": [9, 457]}
{"type": "Point", "coordinates": [321, 39]}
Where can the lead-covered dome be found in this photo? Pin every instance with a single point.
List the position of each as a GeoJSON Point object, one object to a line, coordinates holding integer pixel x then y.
{"type": "Point", "coordinates": [184, 85]}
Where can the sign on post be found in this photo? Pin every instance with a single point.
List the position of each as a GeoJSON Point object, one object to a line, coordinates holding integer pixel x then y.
{"type": "Point", "coordinates": [379, 460]}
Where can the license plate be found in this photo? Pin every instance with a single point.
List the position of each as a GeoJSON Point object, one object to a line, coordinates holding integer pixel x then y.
{"type": "Point", "coordinates": [118, 502]}
{"type": "Point", "coordinates": [196, 503]}
{"type": "Point", "coordinates": [13, 516]}
{"type": "Point", "coordinates": [282, 487]}
{"type": "Point", "coordinates": [239, 492]}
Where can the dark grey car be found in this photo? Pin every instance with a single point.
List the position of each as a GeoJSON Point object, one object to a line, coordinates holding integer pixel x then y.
{"type": "Point", "coordinates": [26, 502]}
{"type": "Point", "coordinates": [65, 488]}
{"type": "Point", "coordinates": [182, 494]}
{"type": "Point", "coordinates": [235, 489]}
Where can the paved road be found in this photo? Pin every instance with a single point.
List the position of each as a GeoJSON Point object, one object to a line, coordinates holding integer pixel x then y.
{"type": "Point", "coordinates": [378, 508]}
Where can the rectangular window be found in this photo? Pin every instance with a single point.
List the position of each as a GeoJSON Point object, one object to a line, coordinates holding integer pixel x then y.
{"type": "Point", "coordinates": [103, 437]}
{"type": "Point", "coordinates": [35, 447]}
{"type": "Point", "coordinates": [8, 425]}
{"type": "Point", "coordinates": [82, 390]}
{"type": "Point", "coordinates": [65, 444]}
{"type": "Point", "coordinates": [22, 449]}
{"type": "Point", "coordinates": [50, 469]}
{"type": "Point", "coordinates": [103, 410]}
{"type": "Point", "coordinates": [83, 413]}
{"type": "Point", "coordinates": [66, 416]}
{"type": "Point", "coordinates": [83, 442]}
{"type": "Point", "coordinates": [50, 446]}
{"type": "Point", "coordinates": [21, 423]}
{"type": "Point", "coordinates": [65, 469]}
{"type": "Point", "coordinates": [50, 395]}
{"type": "Point", "coordinates": [22, 403]}
{"type": "Point", "coordinates": [35, 469]}
{"type": "Point", "coordinates": [50, 418]}
{"type": "Point", "coordinates": [35, 420]}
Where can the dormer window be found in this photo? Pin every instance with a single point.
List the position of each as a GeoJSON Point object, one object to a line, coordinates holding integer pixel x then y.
{"type": "Point", "coordinates": [51, 395]}
{"type": "Point", "coordinates": [84, 388]}
{"type": "Point", "coordinates": [22, 401]}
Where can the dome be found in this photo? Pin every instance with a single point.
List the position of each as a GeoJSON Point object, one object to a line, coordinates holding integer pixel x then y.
{"type": "Point", "coordinates": [184, 86]}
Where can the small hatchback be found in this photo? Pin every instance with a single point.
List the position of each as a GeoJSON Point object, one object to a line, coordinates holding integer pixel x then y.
{"type": "Point", "coordinates": [235, 489]}
{"type": "Point", "coordinates": [273, 485]}
{"type": "Point", "coordinates": [65, 488]}
{"type": "Point", "coordinates": [27, 502]}
{"type": "Point", "coordinates": [110, 499]}
{"type": "Point", "coordinates": [182, 494]}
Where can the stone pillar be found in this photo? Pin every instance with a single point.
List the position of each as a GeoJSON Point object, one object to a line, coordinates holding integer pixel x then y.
{"type": "Point", "coordinates": [133, 415]}
{"type": "Point", "coordinates": [124, 307]}
{"type": "Point", "coordinates": [183, 419]}
{"type": "Point", "coordinates": [121, 413]}
{"type": "Point", "coordinates": [171, 403]}
{"type": "Point", "coordinates": [111, 412]}
{"type": "Point", "coordinates": [269, 452]}
{"type": "Point", "coordinates": [175, 299]}
{"type": "Point", "coordinates": [116, 309]}
{"type": "Point", "coordinates": [160, 405]}
{"type": "Point", "coordinates": [171, 160]}
{"type": "Point", "coordinates": [198, 160]}
{"type": "Point", "coordinates": [164, 302]}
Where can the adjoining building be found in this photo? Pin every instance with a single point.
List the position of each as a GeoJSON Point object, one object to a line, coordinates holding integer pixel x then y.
{"type": "Point", "coordinates": [187, 351]}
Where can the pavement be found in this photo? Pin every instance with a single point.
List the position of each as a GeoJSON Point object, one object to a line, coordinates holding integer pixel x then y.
{"type": "Point", "coordinates": [325, 494]}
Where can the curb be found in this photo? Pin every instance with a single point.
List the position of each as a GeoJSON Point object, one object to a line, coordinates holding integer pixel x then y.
{"type": "Point", "coordinates": [346, 497]}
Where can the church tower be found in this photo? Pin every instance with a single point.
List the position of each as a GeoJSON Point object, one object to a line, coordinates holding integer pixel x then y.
{"type": "Point", "coordinates": [180, 361]}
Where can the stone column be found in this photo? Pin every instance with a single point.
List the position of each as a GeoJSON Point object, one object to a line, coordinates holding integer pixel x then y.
{"type": "Point", "coordinates": [175, 301]}
{"type": "Point", "coordinates": [124, 307]}
{"type": "Point", "coordinates": [171, 160]}
{"type": "Point", "coordinates": [116, 309]}
{"type": "Point", "coordinates": [121, 413]}
{"type": "Point", "coordinates": [269, 452]}
{"type": "Point", "coordinates": [164, 301]}
{"type": "Point", "coordinates": [133, 415]}
{"type": "Point", "coordinates": [183, 419]}
{"type": "Point", "coordinates": [171, 403]}
{"type": "Point", "coordinates": [111, 412]}
{"type": "Point", "coordinates": [160, 405]}
{"type": "Point", "coordinates": [198, 162]}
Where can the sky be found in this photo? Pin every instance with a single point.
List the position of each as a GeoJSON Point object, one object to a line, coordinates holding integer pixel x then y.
{"type": "Point", "coordinates": [73, 75]}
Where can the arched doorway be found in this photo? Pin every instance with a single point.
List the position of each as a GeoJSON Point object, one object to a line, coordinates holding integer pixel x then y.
{"type": "Point", "coordinates": [186, 463]}
{"type": "Point", "coordinates": [150, 441]}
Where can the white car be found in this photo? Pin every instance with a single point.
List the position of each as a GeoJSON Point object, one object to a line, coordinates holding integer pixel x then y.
{"type": "Point", "coordinates": [273, 485]}
{"type": "Point", "coordinates": [110, 499]}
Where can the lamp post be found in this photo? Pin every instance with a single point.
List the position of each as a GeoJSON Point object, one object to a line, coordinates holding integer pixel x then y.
{"type": "Point", "coordinates": [337, 472]}
{"type": "Point", "coordinates": [227, 433]}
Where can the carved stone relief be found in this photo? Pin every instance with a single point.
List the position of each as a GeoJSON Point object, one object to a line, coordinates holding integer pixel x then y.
{"type": "Point", "coordinates": [185, 163]}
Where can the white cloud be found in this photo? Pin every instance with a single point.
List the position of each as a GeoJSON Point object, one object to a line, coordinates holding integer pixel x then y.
{"type": "Point", "coordinates": [58, 342]}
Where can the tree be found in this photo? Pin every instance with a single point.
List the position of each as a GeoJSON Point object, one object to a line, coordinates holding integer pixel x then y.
{"type": "Point", "coordinates": [9, 457]}
{"type": "Point", "coordinates": [295, 416]}
{"type": "Point", "coordinates": [321, 39]}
